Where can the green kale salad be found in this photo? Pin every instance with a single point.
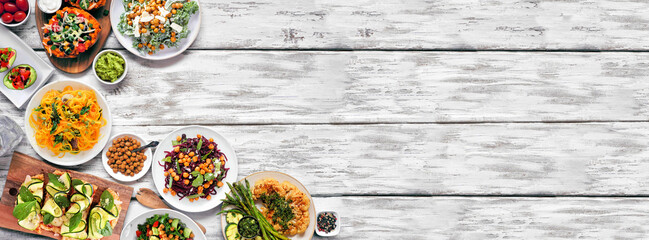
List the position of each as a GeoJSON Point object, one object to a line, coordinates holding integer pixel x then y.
{"type": "Point", "coordinates": [156, 24]}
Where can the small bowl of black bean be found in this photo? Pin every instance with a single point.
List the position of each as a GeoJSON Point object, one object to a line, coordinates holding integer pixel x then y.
{"type": "Point", "coordinates": [327, 224]}
{"type": "Point", "coordinates": [122, 162]}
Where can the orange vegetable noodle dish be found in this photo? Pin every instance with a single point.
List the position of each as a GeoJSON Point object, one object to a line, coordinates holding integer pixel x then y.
{"type": "Point", "coordinates": [67, 121]}
{"type": "Point", "coordinates": [284, 206]}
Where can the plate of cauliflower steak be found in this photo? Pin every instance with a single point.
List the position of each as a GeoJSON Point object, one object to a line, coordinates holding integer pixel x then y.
{"type": "Point", "coordinates": [75, 34]}
{"type": "Point", "coordinates": [61, 204]}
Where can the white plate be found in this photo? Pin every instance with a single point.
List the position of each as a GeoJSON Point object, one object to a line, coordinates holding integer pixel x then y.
{"type": "Point", "coordinates": [116, 10]}
{"type": "Point", "coordinates": [281, 177]}
{"type": "Point", "coordinates": [24, 55]}
{"type": "Point", "coordinates": [202, 204]}
{"type": "Point", "coordinates": [128, 232]}
{"type": "Point", "coordinates": [68, 159]}
{"type": "Point", "coordinates": [119, 176]}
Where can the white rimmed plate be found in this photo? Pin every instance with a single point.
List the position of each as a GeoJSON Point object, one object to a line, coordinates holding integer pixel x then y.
{"type": "Point", "coordinates": [68, 159]}
{"type": "Point", "coordinates": [280, 177]}
{"type": "Point", "coordinates": [24, 55]}
{"type": "Point", "coordinates": [158, 171]}
{"type": "Point", "coordinates": [128, 232]}
{"type": "Point", "coordinates": [116, 10]}
{"type": "Point", "coordinates": [119, 176]}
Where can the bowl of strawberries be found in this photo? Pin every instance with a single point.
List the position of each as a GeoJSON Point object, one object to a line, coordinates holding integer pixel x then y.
{"type": "Point", "coordinates": [14, 12]}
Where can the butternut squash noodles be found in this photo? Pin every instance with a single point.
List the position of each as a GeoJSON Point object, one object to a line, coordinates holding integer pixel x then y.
{"type": "Point", "coordinates": [67, 121]}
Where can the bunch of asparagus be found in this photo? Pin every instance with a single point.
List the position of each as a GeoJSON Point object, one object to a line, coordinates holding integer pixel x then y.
{"type": "Point", "coordinates": [241, 198]}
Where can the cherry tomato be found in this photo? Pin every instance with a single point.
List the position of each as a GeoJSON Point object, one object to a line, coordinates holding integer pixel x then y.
{"type": "Point", "coordinates": [1, 8]}
{"type": "Point", "coordinates": [22, 5]}
{"type": "Point", "coordinates": [138, 233]}
{"type": "Point", "coordinates": [10, 7]}
{"type": "Point", "coordinates": [20, 16]}
{"type": "Point", "coordinates": [4, 1]}
{"type": "Point", "coordinates": [7, 18]}
{"type": "Point", "coordinates": [155, 224]}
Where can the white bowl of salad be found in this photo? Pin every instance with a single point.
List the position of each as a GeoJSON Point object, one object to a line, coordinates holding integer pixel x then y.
{"type": "Point", "coordinates": [153, 30]}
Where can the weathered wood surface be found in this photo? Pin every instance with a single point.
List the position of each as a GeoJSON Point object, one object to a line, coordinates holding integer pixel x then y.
{"type": "Point", "coordinates": [415, 24]}
{"type": "Point", "coordinates": [430, 159]}
{"type": "Point", "coordinates": [467, 218]}
{"type": "Point", "coordinates": [261, 87]}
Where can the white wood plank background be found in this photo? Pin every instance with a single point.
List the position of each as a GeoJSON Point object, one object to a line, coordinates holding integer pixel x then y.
{"type": "Point", "coordinates": [277, 87]}
{"type": "Point", "coordinates": [469, 218]}
{"type": "Point", "coordinates": [417, 24]}
{"type": "Point", "coordinates": [430, 143]}
{"type": "Point", "coordinates": [458, 159]}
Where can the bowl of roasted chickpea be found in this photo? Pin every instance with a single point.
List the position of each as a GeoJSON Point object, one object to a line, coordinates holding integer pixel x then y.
{"type": "Point", "coordinates": [122, 162]}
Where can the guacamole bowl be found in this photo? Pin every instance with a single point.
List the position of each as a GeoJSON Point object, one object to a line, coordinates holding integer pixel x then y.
{"type": "Point", "coordinates": [108, 65]}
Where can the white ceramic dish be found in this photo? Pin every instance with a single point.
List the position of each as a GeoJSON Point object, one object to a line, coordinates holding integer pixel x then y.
{"type": "Point", "coordinates": [40, 7]}
{"type": "Point", "coordinates": [116, 10]}
{"type": "Point", "coordinates": [28, 13]}
{"type": "Point", "coordinates": [333, 232]}
{"type": "Point", "coordinates": [281, 177]}
{"type": "Point", "coordinates": [119, 176]}
{"type": "Point", "coordinates": [128, 232]}
{"type": "Point", "coordinates": [94, 70]}
{"type": "Point", "coordinates": [24, 55]}
{"type": "Point", "coordinates": [68, 159]}
{"type": "Point", "coordinates": [159, 179]}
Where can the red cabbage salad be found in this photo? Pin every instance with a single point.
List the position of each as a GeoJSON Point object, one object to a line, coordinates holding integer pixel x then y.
{"type": "Point", "coordinates": [194, 169]}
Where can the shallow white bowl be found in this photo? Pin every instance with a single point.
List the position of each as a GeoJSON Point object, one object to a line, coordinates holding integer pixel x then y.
{"type": "Point", "coordinates": [94, 71]}
{"type": "Point", "coordinates": [60, 3]}
{"type": "Point", "coordinates": [116, 10]}
{"type": "Point", "coordinates": [158, 171]}
{"type": "Point", "coordinates": [128, 232]}
{"type": "Point", "coordinates": [68, 159]}
{"type": "Point", "coordinates": [119, 176]}
{"type": "Point", "coordinates": [333, 232]}
{"type": "Point", "coordinates": [29, 13]}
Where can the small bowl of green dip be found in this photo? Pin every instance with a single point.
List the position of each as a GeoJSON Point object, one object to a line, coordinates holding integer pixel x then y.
{"type": "Point", "coordinates": [109, 67]}
{"type": "Point", "coordinates": [248, 227]}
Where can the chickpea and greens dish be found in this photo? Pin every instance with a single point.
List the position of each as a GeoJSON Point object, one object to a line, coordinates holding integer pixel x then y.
{"type": "Point", "coordinates": [163, 227]}
{"type": "Point", "coordinates": [121, 157]}
{"type": "Point", "coordinates": [154, 24]}
{"type": "Point", "coordinates": [194, 169]}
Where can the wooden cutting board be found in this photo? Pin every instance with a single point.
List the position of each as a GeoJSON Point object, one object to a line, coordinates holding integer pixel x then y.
{"type": "Point", "coordinates": [23, 165]}
{"type": "Point", "coordinates": [84, 60]}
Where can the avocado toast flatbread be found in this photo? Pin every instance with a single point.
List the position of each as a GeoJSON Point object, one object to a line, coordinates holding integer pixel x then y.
{"type": "Point", "coordinates": [31, 190]}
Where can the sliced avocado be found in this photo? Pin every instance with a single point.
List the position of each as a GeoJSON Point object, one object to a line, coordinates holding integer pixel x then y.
{"type": "Point", "coordinates": [74, 208]}
{"type": "Point", "coordinates": [175, 222]}
{"type": "Point", "coordinates": [31, 222]}
{"type": "Point", "coordinates": [106, 217]}
{"type": "Point", "coordinates": [32, 78]}
{"type": "Point", "coordinates": [85, 189]}
{"type": "Point", "coordinates": [155, 231]}
{"type": "Point", "coordinates": [94, 222]}
{"type": "Point", "coordinates": [78, 235]}
{"type": "Point", "coordinates": [65, 178]}
{"type": "Point", "coordinates": [51, 190]}
{"type": "Point", "coordinates": [52, 208]}
{"type": "Point", "coordinates": [34, 185]}
{"type": "Point", "coordinates": [80, 199]}
{"type": "Point", "coordinates": [80, 227]}
{"type": "Point", "coordinates": [114, 211]}
{"type": "Point", "coordinates": [10, 61]}
{"type": "Point", "coordinates": [187, 232]}
{"type": "Point", "coordinates": [154, 238]}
